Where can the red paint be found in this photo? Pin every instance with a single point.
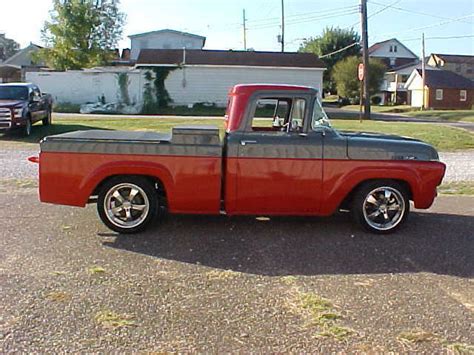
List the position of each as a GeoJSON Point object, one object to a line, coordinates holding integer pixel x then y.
{"type": "Point", "coordinates": [318, 187]}
{"type": "Point", "coordinates": [34, 160]}
{"type": "Point", "coordinates": [192, 184]}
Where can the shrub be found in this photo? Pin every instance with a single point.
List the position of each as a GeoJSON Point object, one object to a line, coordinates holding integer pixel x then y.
{"type": "Point", "coordinates": [376, 100]}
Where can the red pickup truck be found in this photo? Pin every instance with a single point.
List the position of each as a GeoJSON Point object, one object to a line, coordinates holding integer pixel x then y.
{"type": "Point", "coordinates": [279, 156]}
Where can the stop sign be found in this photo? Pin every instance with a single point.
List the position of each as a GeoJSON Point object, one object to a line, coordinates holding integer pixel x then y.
{"type": "Point", "coordinates": [360, 71]}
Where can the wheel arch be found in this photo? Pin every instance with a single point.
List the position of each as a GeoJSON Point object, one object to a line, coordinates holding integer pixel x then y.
{"type": "Point", "coordinates": [347, 200]}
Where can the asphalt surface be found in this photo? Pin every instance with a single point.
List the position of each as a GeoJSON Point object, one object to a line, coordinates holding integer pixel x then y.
{"type": "Point", "coordinates": [219, 284]}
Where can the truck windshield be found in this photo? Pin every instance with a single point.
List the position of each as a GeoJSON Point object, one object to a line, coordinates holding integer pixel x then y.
{"type": "Point", "coordinates": [13, 93]}
{"type": "Point", "coordinates": [319, 116]}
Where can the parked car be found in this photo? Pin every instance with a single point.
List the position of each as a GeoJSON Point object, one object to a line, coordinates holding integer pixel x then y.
{"type": "Point", "coordinates": [291, 163]}
{"type": "Point", "coordinates": [22, 105]}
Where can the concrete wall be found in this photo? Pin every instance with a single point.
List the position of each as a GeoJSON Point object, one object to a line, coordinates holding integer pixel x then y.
{"type": "Point", "coordinates": [211, 84]}
{"type": "Point", "coordinates": [193, 84]}
{"type": "Point", "coordinates": [80, 87]}
{"type": "Point", "coordinates": [163, 40]}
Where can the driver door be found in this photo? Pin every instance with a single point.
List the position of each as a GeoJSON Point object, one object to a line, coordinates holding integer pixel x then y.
{"type": "Point", "coordinates": [279, 167]}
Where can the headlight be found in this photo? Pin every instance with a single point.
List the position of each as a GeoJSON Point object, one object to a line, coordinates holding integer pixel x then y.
{"type": "Point", "coordinates": [18, 112]}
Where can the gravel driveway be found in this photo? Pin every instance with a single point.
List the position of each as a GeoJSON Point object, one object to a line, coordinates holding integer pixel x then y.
{"type": "Point", "coordinates": [14, 164]}
{"type": "Point", "coordinates": [217, 284]}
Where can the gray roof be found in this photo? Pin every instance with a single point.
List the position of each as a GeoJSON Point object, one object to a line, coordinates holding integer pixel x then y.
{"type": "Point", "coordinates": [456, 58]}
{"type": "Point", "coordinates": [229, 58]}
{"type": "Point", "coordinates": [445, 79]}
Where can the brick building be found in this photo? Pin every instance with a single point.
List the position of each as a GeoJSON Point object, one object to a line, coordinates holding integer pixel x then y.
{"type": "Point", "coordinates": [443, 90]}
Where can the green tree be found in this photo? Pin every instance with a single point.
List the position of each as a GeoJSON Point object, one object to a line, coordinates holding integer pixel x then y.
{"type": "Point", "coordinates": [331, 40]}
{"type": "Point", "coordinates": [81, 33]}
{"type": "Point", "coordinates": [345, 76]}
{"type": "Point", "coordinates": [8, 47]}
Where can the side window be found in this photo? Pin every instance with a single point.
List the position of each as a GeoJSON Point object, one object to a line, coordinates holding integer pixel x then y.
{"type": "Point", "coordinates": [439, 94]}
{"type": "Point", "coordinates": [271, 114]}
{"type": "Point", "coordinates": [297, 115]}
{"type": "Point", "coordinates": [463, 95]}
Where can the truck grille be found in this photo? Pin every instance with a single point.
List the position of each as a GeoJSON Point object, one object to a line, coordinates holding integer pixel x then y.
{"type": "Point", "coordinates": [5, 118]}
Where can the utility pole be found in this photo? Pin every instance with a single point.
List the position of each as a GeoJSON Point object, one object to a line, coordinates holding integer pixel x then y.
{"type": "Point", "coordinates": [244, 24]}
{"type": "Point", "coordinates": [282, 25]}
{"type": "Point", "coordinates": [365, 56]}
{"type": "Point", "coordinates": [423, 69]}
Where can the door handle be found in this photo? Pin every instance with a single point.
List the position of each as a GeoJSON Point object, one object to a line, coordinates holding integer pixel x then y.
{"type": "Point", "coordinates": [247, 142]}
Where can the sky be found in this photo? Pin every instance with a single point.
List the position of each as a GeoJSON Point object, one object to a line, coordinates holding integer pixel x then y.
{"type": "Point", "coordinates": [221, 21]}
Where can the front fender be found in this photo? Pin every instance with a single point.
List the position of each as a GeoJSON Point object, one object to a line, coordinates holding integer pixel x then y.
{"type": "Point", "coordinates": [342, 179]}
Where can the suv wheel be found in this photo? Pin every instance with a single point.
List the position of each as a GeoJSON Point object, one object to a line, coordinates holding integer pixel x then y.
{"type": "Point", "coordinates": [381, 206]}
{"type": "Point", "coordinates": [127, 204]}
{"type": "Point", "coordinates": [27, 128]}
{"type": "Point", "coordinates": [48, 119]}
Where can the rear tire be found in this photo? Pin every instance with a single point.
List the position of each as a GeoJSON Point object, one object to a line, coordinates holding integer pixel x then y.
{"type": "Point", "coordinates": [48, 119]}
{"type": "Point", "coordinates": [380, 206]}
{"type": "Point", "coordinates": [127, 204]}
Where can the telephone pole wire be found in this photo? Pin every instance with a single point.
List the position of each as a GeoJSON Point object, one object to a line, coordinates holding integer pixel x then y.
{"type": "Point", "coordinates": [244, 24]}
{"type": "Point", "coordinates": [282, 26]}
{"type": "Point", "coordinates": [365, 56]}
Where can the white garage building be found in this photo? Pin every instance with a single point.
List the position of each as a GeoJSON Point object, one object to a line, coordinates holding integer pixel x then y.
{"type": "Point", "coordinates": [195, 75]}
{"type": "Point", "coordinates": [205, 76]}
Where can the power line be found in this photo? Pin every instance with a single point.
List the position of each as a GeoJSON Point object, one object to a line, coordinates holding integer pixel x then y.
{"type": "Point", "coordinates": [339, 50]}
{"type": "Point", "coordinates": [413, 11]}
{"type": "Point", "coordinates": [438, 37]}
{"type": "Point", "coordinates": [428, 26]}
{"type": "Point", "coordinates": [309, 19]}
{"type": "Point", "coordinates": [383, 9]}
{"type": "Point", "coordinates": [306, 14]}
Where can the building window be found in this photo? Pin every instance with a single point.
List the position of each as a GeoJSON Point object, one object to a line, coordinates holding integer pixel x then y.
{"type": "Point", "coordinates": [469, 69]}
{"type": "Point", "coordinates": [395, 49]}
{"type": "Point", "coordinates": [392, 62]}
{"type": "Point", "coordinates": [391, 48]}
{"type": "Point", "coordinates": [463, 95]}
{"type": "Point", "coordinates": [439, 94]}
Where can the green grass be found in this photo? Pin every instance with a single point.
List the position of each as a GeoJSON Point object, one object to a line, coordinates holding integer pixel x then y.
{"type": "Point", "coordinates": [442, 137]}
{"type": "Point", "coordinates": [448, 115]}
{"type": "Point", "coordinates": [111, 319]}
{"type": "Point", "coordinates": [457, 188]}
{"type": "Point", "coordinates": [382, 108]}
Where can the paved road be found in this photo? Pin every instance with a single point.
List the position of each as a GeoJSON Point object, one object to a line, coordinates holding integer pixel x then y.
{"type": "Point", "coordinates": [14, 164]}
{"type": "Point", "coordinates": [217, 284]}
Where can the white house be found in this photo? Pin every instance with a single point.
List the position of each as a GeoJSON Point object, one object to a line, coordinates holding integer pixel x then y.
{"type": "Point", "coordinates": [393, 53]}
{"type": "Point", "coordinates": [164, 39]}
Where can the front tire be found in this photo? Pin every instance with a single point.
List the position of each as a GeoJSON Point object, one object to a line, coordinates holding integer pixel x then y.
{"type": "Point", "coordinates": [381, 207]}
{"type": "Point", "coordinates": [127, 204]}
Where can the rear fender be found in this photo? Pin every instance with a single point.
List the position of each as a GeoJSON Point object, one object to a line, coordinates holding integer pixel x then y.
{"type": "Point", "coordinates": [91, 181]}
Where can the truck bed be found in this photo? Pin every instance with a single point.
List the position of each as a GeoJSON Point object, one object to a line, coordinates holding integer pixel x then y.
{"type": "Point", "coordinates": [188, 162]}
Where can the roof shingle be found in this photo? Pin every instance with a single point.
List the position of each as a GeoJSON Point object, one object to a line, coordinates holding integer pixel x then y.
{"type": "Point", "coordinates": [228, 58]}
{"type": "Point", "coordinates": [445, 79]}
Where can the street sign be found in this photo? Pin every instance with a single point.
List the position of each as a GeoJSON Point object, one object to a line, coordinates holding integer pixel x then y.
{"type": "Point", "coordinates": [360, 71]}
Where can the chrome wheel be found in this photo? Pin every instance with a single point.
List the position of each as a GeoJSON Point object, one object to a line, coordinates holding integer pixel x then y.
{"type": "Point", "coordinates": [126, 205]}
{"type": "Point", "coordinates": [384, 208]}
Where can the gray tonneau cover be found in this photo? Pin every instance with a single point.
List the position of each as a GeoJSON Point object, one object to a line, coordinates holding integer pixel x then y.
{"type": "Point", "coordinates": [184, 140]}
